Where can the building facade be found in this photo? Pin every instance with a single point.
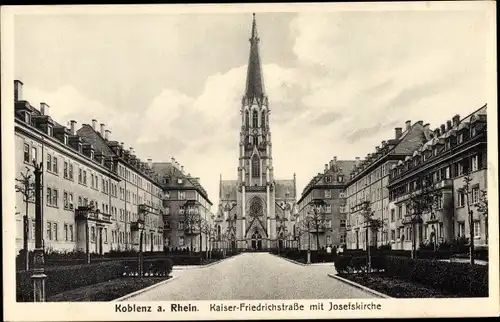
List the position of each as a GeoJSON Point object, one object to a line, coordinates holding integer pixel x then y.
{"type": "Point", "coordinates": [326, 227]}
{"type": "Point", "coordinates": [187, 218]}
{"type": "Point", "coordinates": [255, 210]}
{"type": "Point", "coordinates": [368, 184]}
{"type": "Point", "coordinates": [456, 150]}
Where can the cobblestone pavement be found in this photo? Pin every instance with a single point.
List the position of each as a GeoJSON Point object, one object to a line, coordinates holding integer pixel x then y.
{"type": "Point", "coordinates": [253, 276]}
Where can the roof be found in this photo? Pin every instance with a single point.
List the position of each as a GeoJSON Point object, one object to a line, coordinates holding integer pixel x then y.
{"type": "Point", "coordinates": [255, 82]}
{"type": "Point", "coordinates": [282, 187]}
{"type": "Point", "coordinates": [168, 169]}
{"type": "Point", "coordinates": [89, 135]}
{"type": "Point", "coordinates": [228, 189]}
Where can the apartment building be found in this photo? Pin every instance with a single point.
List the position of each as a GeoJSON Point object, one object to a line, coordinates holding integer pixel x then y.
{"type": "Point", "coordinates": [368, 182]}
{"type": "Point", "coordinates": [327, 189]}
{"type": "Point", "coordinates": [82, 185]}
{"type": "Point", "coordinates": [187, 218]}
{"type": "Point", "coordinates": [455, 150]}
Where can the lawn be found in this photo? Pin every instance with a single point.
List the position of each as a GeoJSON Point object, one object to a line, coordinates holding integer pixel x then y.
{"type": "Point", "coordinates": [106, 291]}
{"type": "Point", "coordinates": [396, 288]}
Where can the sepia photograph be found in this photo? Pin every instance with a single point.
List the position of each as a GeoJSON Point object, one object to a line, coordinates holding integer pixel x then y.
{"type": "Point", "coordinates": [293, 160]}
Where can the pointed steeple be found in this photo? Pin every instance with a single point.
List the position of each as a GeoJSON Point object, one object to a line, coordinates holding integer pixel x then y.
{"type": "Point", "coordinates": [255, 81]}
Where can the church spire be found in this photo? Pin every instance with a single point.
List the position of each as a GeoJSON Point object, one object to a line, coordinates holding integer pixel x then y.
{"type": "Point", "coordinates": [255, 82]}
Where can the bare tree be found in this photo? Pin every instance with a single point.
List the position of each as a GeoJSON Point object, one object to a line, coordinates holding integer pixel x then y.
{"type": "Point", "coordinates": [316, 219]}
{"type": "Point", "coordinates": [466, 191]}
{"type": "Point", "coordinates": [372, 225]}
{"type": "Point", "coordinates": [482, 207]}
{"type": "Point", "coordinates": [25, 185]}
{"type": "Point", "coordinates": [424, 198]}
{"type": "Point", "coordinates": [192, 222]}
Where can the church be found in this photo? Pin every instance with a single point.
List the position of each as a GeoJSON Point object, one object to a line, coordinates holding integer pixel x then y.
{"type": "Point", "coordinates": [256, 211]}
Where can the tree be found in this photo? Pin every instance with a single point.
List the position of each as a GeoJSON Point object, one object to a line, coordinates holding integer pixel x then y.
{"type": "Point", "coordinates": [25, 185]}
{"type": "Point", "coordinates": [424, 198]}
{"type": "Point", "coordinates": [372, 225]}
{"type": "Point", "coordinates": [482, 207]}
{"type": "Point", "coordinates": [316, 218]}
{"type": "Point", "coordinates": [465, 189]}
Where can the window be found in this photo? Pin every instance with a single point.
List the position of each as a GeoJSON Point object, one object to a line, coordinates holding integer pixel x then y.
{"type": "Point", "coordinates": [439, 202]}
{"type": "Point", "coordinates": [342, 193]}
{"type": "Point", "coordinates": [255, 140]}
{"type": "Point", "coordinates": [49, 130]}
{"type": "Point", "coordinates": [54, 165]}
{"type": "Point", "coordinates": [181, 225]}
{"type": "Point", "coordinates": [461, 229]}
{"type": "Point", "coordinates": [342, 209]}
{"type": "Point", "coordinates": [182, 195]}
{"type": "Point", "coordinates": [54, 227]}
{"type": "Point", "coordinates": [80, 175]}
{"type": "Point", "coordinates": [475, 195]}
{"type": "Point", "coordinates": [393, 215]}
{"type": "Point", "coordinates": [80, 202]}
{"type": "Point", "coordinates": [26, 153]}
{"type": "Point", "coordinates": [65, 170]}
{"type": "Point", "coordinates": [342, 223]}
{"type": "Point", "coordinates": [475, 163]}
{"type": "Point", "coordinates": [340, 179]}
{"type": "Point", "coordinates": [34, 153]}
{"type": "Point", "coordinates": [400, 211]}
{"type": "Point", "coordinates": [398, 233]}
{"type": "Point", "coordinates": [71, 237]}
{"type": "Point", "coordinates": [328, 209]}
{"type": "Point", "coordinates": [461, 199]}
{"type": "Point", "coordinates": [263, 119]}
{"type": "Point", "coordinates": [84, 177]}
{"type": "Point", "coordinates": [65, 200]}
{"type": "Point", "coordinates": [49, 230]}
{"type": "Point", "coordinates": [49, 162]}
{"type": "Point", "coordinates": [181, 241]}
{"type": "Point", "coordinates": [105, 235]}
{"type": "Point", "coordinates": [477, 228]}
{"type": "Point", "coordinates": [92, 234]}
{"type": "Point", "coordinates": [96, 183]}
{"type": "Point", "coordinates": [447, 173]}
{"type": "Point", "coordinates": [328, 179]}
{"type": "Point", "coordinates": [66, 235]}
{"type": "Point", "coordinates": [328, 193]}
{"type": "Point", "coordinates": [255, 119]}
{"type": "Point", "coordinates": [247, 118]}
{"type": "Point", "coordinates": [70, 172]}
{"type": "Point", "coordinates": [255, 166]}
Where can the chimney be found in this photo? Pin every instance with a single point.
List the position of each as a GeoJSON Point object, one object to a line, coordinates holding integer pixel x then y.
{"type": "Point", "coordinates": [383, 143]}
{"type": "Point", "coordinates": [377, 149]}
{"type": "Point", "coordinates": [399, 132]}
{"type": "Point", "coordinates": [131, 150]}
{"type": "Point", "coordinates": [94, 124]}
{"type": "Point", "coordinates": [357, 161]}
{"type": "Point", "coordinates": [73, 124]}
{"type": "Point", "coordinates": [103, 129]}
{"type": "Point", "coordinates": [426, 126]}
{"type": "Point", "coordinates": [437, 132]}
{"type": "Point", "coordinates": [334, 159]}
{"type": "Point", "coordinates": [408, 124]}
{"type": "Point", "coordinates": [448, 125]}
{"type": "Point", "coordinates": [150, 163]}
{"type": "Point", "coordinates": [456, 119]}
{"type": "Point", "coordinates": [421, 122]}
{"type": "Point", "coordinates": [182, 169]}
{"type": "Point", "coordinates": [443, 128]}
{"type": "Point", "coordinates": [326, 167]}
{"type": "Point", "coordinates": [173, 161]}
{"type": "Point", "coordinates": [44, 108]}
{"type": "Point", "coordinates": [107, 135]}
{"type": "Point", "coordinates": [122, 145]}
{"type": "Point", "coordinates": [18, 90]}
{"type": "Point", "coordinates": [197, 179]}
{"type": "Point", "coordinates": [331, 164]}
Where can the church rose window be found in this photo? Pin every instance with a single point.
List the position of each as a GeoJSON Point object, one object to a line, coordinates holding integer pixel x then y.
{"type": "Point", "coordinates": [256, 207]}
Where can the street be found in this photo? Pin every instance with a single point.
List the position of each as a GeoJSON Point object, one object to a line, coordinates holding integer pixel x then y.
{"type": "Point", "coordinates": [253, 276]}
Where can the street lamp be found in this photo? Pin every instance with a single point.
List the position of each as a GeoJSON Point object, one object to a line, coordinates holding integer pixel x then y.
{"type": "Point", "coordinates": [38, 276]}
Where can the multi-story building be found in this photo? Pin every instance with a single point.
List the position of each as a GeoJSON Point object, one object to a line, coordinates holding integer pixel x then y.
{"type": "Point", "coordinates": [328, 191]}
{"type": "Point", "coordinates": [188, 219]}
{"type": "Point", "coordinates": [368, 182]}
{"type": "Point", "coordinates": [85, 183]}
{"type": "Point", "coordinates": [454, 150]}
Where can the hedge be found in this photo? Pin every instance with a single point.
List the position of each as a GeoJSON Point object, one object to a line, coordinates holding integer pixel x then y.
{"type": "Point", "coordinates": [150, 267]}
{"type": "Point", "coordinates": [457, 278]}
{"type": "Point", "coordinates": [60, 279]}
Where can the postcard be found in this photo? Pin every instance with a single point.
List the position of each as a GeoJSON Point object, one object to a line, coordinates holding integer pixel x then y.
{"type": "Point", "coordinates": [249, 161]}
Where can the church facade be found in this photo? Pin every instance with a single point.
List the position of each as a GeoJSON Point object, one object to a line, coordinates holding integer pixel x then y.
{"type": "Point", "coordinates": [255, 210]}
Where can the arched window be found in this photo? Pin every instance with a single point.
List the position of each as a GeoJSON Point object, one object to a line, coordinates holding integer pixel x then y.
{"type": "Point", "coordinates": [255, 167]}
{"type": "Point", "coordinates": [263, 119]}
{"type": "Point", "coordinates": [255, 117]}
{"type": "Point", "coordinates": [247, 119]}
{"type": "Point", "coordinates": [255, 140]}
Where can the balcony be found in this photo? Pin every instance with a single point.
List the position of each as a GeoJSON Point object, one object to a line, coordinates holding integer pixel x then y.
{"type": "Point", "coordinates": [87, 213]}
{"type": "Point", "coordinates": [443, 184]}
{"type": "Point", "coordinates": [192, 231]}
{"type": "Point", "coordinates": [137, 225]}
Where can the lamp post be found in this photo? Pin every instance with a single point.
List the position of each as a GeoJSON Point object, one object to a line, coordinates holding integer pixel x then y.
{"type": "Point", "coordinates": [38, 276]}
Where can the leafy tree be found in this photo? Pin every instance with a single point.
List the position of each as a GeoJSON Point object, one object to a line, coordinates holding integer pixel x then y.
{"type": "Point", "coordinates": [482, 207]}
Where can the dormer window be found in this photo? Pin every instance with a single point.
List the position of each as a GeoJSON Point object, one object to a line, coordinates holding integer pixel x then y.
{"type": "Point", "coordinates": [27, 118]}
{"type": "Point", "coordinates": [460, 138]}
{"type": "Point", "coordinates": [79, 147]}
{"type": "Point", "coordinates": [328, 179]}
{"type": "Point", "coordinates": [91, 154]}
{"type": "Point", "coordinates": [65, 139]}
{"type": "Point", "coordinates": [340, 179]}
{"type": "Point", "coordinates": [179, 181]}
{"type": "Point", "coordinates": [435, 151]}
{"type": "Point", "coordinates": [49, 130]}
{"type": "Point", "coordinates": [473, 131]}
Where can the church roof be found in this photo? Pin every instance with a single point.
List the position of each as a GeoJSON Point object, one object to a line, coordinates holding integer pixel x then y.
{"type": "Point", "coordinates": [228, 189]}
{"type": "Point", "coordinates": [284, 186]}
{"type": "Point", "coordinates": [255, 82]}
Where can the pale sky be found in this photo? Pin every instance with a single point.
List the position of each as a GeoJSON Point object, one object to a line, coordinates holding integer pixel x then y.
{"type": "Point", "coordinates": [171, 85]}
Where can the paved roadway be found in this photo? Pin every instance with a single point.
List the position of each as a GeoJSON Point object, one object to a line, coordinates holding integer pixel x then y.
{"type": "Point", "coordinates": [253, 276]}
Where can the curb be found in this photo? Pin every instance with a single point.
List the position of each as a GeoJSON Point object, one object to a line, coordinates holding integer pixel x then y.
{"type": "Point", "coordinates": [361, 287]}
{"type": "Point", "coordinates": [181, 268]}
{"type": "Point", "coordinates": [144, 289]}
{"type": "Point", "coordinates": [291, 260]}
